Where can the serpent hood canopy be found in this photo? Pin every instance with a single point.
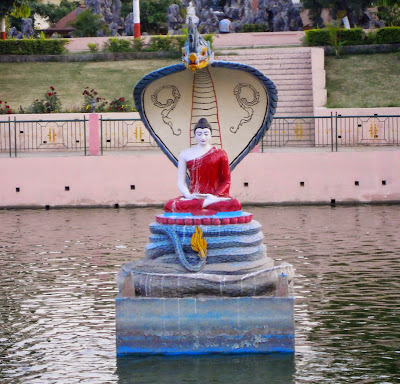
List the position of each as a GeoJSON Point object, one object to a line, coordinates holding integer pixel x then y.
{"type": "Point", "coordinates": [237, 100]}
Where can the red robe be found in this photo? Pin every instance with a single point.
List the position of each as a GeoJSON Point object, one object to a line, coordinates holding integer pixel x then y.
{"type": "Point", "coordinates": [209, 173]}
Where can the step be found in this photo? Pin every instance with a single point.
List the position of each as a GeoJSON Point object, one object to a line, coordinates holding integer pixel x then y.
{"type": "Point", "coordinates": [306, 100]}
{"type": "Point", "coordinates": [268, 51]}
{"type": "Point", "coordinates": [290, 70]}
{"type": "Point", "coordinates": [294, 92]}
{"type": "Point", "coordinates": [235, 56]}
{"type": "Point", "coordinates": [272, 60]}
{"type": "Point", "coordinates": [293, 60]}
{"type": "Point", "coordinates": [294, 109]}
{"type": "Point", "coordinates": [287, 80]}
{"type": "Point", "coordinates": [279, 67]}
{"type": "Point", "coordinates": [284, 71]}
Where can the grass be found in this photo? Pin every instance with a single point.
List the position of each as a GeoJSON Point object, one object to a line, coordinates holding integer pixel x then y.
{"type": "Point", "coordinates": [357, 81]}
{"type": "Point", "coordinates": [363, 81]}
{"type": "Point", "coordinates": [22, 83]}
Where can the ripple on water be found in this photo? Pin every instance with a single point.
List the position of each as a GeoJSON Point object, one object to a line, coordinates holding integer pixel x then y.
{"type": "Point", "coordinates": [57, 290]}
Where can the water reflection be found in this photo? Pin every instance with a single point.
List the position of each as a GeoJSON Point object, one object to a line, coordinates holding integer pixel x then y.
{"type": "Point", "coordinates": [272, 368]}
{"type": "Point", "coordinates": [57, 291]}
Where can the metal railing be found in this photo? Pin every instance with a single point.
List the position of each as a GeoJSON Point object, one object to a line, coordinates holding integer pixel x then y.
{"type": "Point", "coordinates": [333, 131]}
{"type": "Point", "coordinates": [19, 136]}
{"type": "Point", "coordinates": [124, 134]}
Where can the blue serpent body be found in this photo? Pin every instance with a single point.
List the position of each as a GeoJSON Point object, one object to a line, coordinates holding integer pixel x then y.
{"type": "Point", "coordinates": [170, 232]}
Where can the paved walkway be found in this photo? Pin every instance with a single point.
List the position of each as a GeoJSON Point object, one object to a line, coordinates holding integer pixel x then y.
{"type": "Point", "coordinates": [231, 40]}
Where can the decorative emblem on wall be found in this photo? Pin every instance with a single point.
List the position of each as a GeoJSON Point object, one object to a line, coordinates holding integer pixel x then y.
{"type": "Point", "coordinates": [168, 106]}
{"type": "Point", "coordinates": [245, 104]}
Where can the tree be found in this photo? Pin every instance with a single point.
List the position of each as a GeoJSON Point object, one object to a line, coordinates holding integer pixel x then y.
{"type": "Point", "coordinates": [315, 8]}
{"type": "Point", "coordinates": [153, 15]}
{"type": "Point", "coordinates": [87, 23]}
{"type": "Point", "coordinates": [18, 8]}
{"type": "Point", "coordinates": [52, 12]}
{"type": "Point", "coordinates": [339, 8]}
{"type": "Point", "coordinates": [389, 12]}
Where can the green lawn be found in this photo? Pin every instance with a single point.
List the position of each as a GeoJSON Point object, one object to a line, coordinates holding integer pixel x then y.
{"type": "Point", "coordinates": [22, 83]}
{"type": "Point", "coordinates": [352, 81]}
{"type": "Point", "coordinates": [363, 81]}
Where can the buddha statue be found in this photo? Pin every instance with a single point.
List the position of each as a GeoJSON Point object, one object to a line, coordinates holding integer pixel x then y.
{"type": "Point", "coordinates": [191, 15]}
{"type": "Point", "coordinates": [210, 180]}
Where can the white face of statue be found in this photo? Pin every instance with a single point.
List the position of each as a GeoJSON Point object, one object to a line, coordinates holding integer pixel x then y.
{"type": "Point", "coordinates": [203, 136]}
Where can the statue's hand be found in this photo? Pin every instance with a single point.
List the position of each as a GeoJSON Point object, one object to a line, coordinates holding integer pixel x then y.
{"type": "Point", "coordinates": [191, 196]}
{"type": "Point", "coordinates": [211, 199]}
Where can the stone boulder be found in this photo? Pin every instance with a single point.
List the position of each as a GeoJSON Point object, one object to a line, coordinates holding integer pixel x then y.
{"type": "Point", "coordinates": [278, 15]}
{"type": "Point", "coordinates": [175, 19]}
{"type": "Point", "coordinates": [240, 12]}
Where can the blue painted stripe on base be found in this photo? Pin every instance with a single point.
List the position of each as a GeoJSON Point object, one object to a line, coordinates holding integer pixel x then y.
{"type": "Point", "coordinates": [247, 351]}
{"type": "Point", "coordinates": [218, 215]}
{"type": "Point", "coordinates": [127, 350]}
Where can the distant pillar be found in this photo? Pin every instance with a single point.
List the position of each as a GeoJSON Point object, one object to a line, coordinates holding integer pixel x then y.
{"type": "Point", "coordinates": [3, 28]}
{"type": "Point", "coordinates": [136, 19]}
{"type": "Point", "coordinates": [94, 137]}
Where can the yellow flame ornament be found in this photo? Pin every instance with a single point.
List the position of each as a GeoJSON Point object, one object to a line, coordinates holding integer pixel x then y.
{"type": "Point", "coordinates": [199, 243]}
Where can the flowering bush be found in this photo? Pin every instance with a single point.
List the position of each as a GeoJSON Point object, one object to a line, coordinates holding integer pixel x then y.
{"type": "Point", "coordinates": [5, 109]}
{"type": "Point", "coordinates": [90, 96]}
{"type": "Point", "coordinates": [50, 104]}
{"type": "Point", "coordinates": [119, 105]}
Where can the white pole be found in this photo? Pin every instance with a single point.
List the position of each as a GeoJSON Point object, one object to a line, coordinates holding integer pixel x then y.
{"type": "Point", "coordinates": [346, 22]}
{"type": "Point", "coordinates": [136, 19]}
{"type": "Point", "coordinates": [3, 28]}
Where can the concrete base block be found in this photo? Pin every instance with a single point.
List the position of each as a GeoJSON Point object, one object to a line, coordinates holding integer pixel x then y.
{"type": "Point", "coordinates": [204, 325]}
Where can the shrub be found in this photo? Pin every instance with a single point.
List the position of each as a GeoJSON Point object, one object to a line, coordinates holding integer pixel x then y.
{"type": "Point", "coordinates": [334, 29]}
{"type": "Point", "coordinates": [164, 43]}
{"type": "Point", "coordinates": [137, 44]}
{"type": "Point", "coordinates": [93, 47]}
{"type": "Point", "coordinates": [91, 95]}
{"type": "Point", "coordinates": [323, 37]}
{"type": "Point", "coordinates": [33, 46]}
{"type": "Point", "coordinates": [117, 45]}
{"type": "Point", "coordinates": [123, 45]}
{"type": "Point", "coordinates": [370, 37]}
{"type": "Point", "coordinates": [119, 105]}
{"type": "Point", "coordinates": [254, 28]}
{"type": "Point", "coordinates": [355, 36]}
{"type": "Point", "coordinates": [317, 37]}
{"type": "Point", "coordinates": [209, 37]}
{"type": "Point", "coordinates": [50, 103]}
{"type": "Point", "coordinates": [388, 35]}
{"type": "Point", "coordinates": [5, 109]}
{"type": "Point", "coordinates": [173, 43]}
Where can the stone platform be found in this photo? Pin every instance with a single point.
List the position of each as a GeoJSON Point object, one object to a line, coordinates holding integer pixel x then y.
{"type": "Point", "coordinates": [237, 300]}
{"type": "Point", "coordinates": [204, 325]}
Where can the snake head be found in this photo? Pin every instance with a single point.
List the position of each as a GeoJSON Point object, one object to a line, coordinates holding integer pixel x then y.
{"type": "Point", "coordinates": [196, 52]}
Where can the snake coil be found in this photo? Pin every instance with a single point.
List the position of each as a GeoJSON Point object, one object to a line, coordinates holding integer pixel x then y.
{"type": "Point", "coordinates": [179, 251]}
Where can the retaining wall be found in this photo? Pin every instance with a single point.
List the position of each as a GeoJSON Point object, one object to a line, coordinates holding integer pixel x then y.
{"type": "Point", "coordinates": [150, 178]}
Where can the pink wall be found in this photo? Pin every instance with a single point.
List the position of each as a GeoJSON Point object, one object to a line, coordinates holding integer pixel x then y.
{"type": "Point", "coordinates": [271, 178]}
